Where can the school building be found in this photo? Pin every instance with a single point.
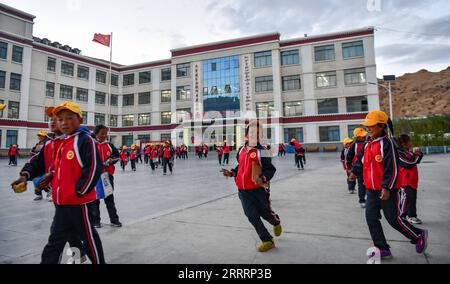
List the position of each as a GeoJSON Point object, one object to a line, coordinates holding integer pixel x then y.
{"type": "Point", "coordinates": [313, 88]}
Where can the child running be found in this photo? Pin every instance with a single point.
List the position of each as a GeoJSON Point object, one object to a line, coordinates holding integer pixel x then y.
{"type": "Point", "coordinates": [378, 164]}
{"type": "Point", "coordinates": [252, 178]}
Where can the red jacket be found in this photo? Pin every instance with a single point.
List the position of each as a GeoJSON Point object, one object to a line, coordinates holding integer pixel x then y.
{"type": "Point", "coordinates": [133, 155]}
{"type": "Point", "coordinates": [243, 172]}
{"type": "Point", "coordinates": [124, 156]}
{"type": "Point", "coordinates": [408, 175]}
{"type": "Point", "coordinates": [77, 168]}
{"type": "Point", "coordinates": [344, 155]}
{"type": "Point", "coordinates": [167, 153]}
{"type": "Point", "coordinates": [154, 153]}
{"type": "Point", "coordinates": [226, 149]}
{"type": "Point", "coordinates": [147, 150]}
{"type": "Point", "coordinates": [12, 151]}
{"type": "Point", "coordinates": [107, 150]}
{"type": "Point", "coordinates": [219, 151]}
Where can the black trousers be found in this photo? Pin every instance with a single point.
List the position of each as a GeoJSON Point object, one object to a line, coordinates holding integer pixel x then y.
{"type": "Point", "coordinates": [298, 161]}
{"type": "Point", "coordinates": [392, 210]}
{"type": "Point", "coordinates": [152, 164]}
{"type": "Point", "coordinates": [133, 164]}
{"type": "Point", "coordinates": [361, 190]}
{"type": "Point", "coordinates": [146, 159]}
{"type": "Point", "coordinates": [122, 165]}
{"type": "Point", "coordinates": [257, 205]}
{"type": "Point", "coordinates": [220, 159]}
{"type": "Point", "coordinates": [166, 162]}
{"type": "Point", "coordinates": [94, 207]}
{"type": "Point", "coordinates": [411, 201]}
{"type": "Point", "coordinates": [351, 184]}
{"type": "Point", "coordinates": [12, 160]}
{"type": "Point", "coordinates": [226, 157]}
{"type": "Point", "coordinates": [67, 220]}
{"type": "Point", "coordinates": [139, 158]}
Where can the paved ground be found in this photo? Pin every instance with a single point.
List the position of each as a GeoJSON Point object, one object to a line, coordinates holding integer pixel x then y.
{"type": "Point", "coordinates": [195, 216]}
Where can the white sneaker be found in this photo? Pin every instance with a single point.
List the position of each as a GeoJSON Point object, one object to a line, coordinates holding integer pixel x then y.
{"type": "Point", "coordinates": [414, 220]}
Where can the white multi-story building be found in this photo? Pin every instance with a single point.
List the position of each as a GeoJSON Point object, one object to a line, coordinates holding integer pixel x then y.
{"type": "Point", "coordinates": [312, 88]}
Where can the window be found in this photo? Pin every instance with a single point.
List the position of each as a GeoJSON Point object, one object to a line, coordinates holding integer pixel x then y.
{"type": "Point", "coordinates": [264, 109]}
{"type": "Point", "coordinates": [166, 74]}
{"type": "Point", "coordinates": [327, 106]}
{"type": "Point", "coordinates": [144, 118]}
{"type": "Point", "coordinates": [326, 79]}
{"type": "Point", "coordinates": [263, 58]}
{"type": "Point", "coordinates": [50, 89]}
{"type": "Point", "coordinates": [66, 92]}
{"type": "Point", "coordinates": [145, 77]}
{"type": "Point", "coordinates": [128, 79]}
{"type": "Point", "coordinates": [144, 137]}
{"type": "Point", "coordinates": [183, 115]}
{"type": "Point", "coordinates": [355, 76]}
{"type": "Point", "coordinates": [85, 117]}
{"type": "Point", "coordinates": [128, 120]}
{"type": "Point", "coordinates": [11, 137]}
{"type": "Point", "coordinates": [166, 137]}
{"type": "Point", "coordinates": [325, 52]}
{"type": "Point", "coordinates": [357, 104]}
{"type": "Point", "coordinates": [1, 111]}
{"type": "Point", "coordinates": [51, 64]}
{"type": "Point", "coordinates": [264, 84]}
{"type": "Point", "coordinates": [99, 118]}
{"type": "Point", "coordinates": [352, 128]}
{"type": "Point", "coordinates": [115, 80]}
{"type": "Point", "coordinates": [145, 98]}
{"type": "Point", "coordinates": [67, 68]}
{"type": "Point", "coordinates": [291, 83]}
{"type": "Point", "coordinates": [183, 70]}
{"type": "Point", "coordinates": [329, 134]}
{"type": "Point", "coordinates": [127, 140]}
{"type": "Point", "coordinates": [100, 76]}
{"type": "Point", "coordinates": [100, 98]}
{"type": "Point", "coordinates": [114, 100]}
{"type": "Point", "coordinates": [113, 120]}
{"type": "Point", "coordinates": [290, 57]}
{"type": "Point", "coordinates": [83, 72]}
{"type": "Point", "coordinates": [3, 50]}
{"type": "Point", "coordinates": [166, 117]}
{"type": "Point", "coordinates": [13, 110]}
{"type": "Point", "coordinates": [166, 96]}
{"type": "Point", "coordinates": [2, 79]}
{"type": "Point", "coordinates": [183, 93]}
{"type": "Point", "coordinates": [128, 100]}
{"type": "Point", "coordinates": [15, 81]}
{"type": "Point", "coordinates": [82, 94]}
{"type": "Point", "coordinates": [353, 49]}
{"type": "Point", "coordinates": [290, 133]}
{"type": "Point", "coordinates": [17, 54]}
{"type": "Point", "coordinates": [293, 108]}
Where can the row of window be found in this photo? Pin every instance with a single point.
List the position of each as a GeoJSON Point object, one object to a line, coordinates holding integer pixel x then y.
{"type": "Point", "coordinates": [13, 109]}
{"type": "Point", "coordinates": [326, 133]}
{"type": "Point", "coordinates": [15, 80]}
{"type": "Point", "coordinates": [17, 52]}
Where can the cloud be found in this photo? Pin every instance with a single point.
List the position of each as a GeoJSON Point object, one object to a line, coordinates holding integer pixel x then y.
{"type": "Point", "coordinates": [414, 53]}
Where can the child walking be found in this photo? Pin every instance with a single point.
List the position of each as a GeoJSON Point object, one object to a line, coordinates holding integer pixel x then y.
{"type": "Point", "coordinates": [123, 157]}
{"type": "Point", "coordinates": [344, 156]}
{"type": "Point", "coordinates": [352, 156]}
{"type": "Point", "coordinates": [378, 164]}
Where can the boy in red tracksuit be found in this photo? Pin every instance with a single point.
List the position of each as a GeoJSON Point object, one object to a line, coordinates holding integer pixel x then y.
{"type": "Point", "coordinates": [409, 178]}
{"type": "Point", "coordinates": [226, 152]}
{"type": "Point", "coordinates": [299, 153]}
{"type": "Point", "coordinates": [378, 162]}
{"type": "Point", "coordinates": [167, 157]}
{"type": "Point", "coordinates": [153, 157]}
{"type": "Point", "coordinates": [76, 170]}
{"type": "Point", "coordinates": [123, 157]}
{"type": "Point", "coordinates": [252, 177]}
{"type": "Point", "coordinates": [352, 156]}
{"type": "Point", "coordinates": [147, 153]}
{"type": "Point", "coordinates": [109, 155]}
{"type": "Point", "coordinates": [12, 153]}
{"type": "Point", "coordinates": [219, 153]}
{"type": "Point", "coordinates": [344, 156]}
{"type": "Point", "coordinates": [133, 157]}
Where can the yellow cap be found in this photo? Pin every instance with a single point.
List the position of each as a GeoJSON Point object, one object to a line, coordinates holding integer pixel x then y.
{"type": "Point", "coordinates": [42, 133]}
{"type": "Point", "coordinates": [2, 106]}
{"type": "Point", "coordinates": [50, 111]}
{"type": "Point", "coordinates": [375, 117]}
{"type": "Point", "coordinates": [133, 146]}
{"type": "Point", "coordinates": [73, 107]}
{"type": "Point", "coordinates": [347, 141]}
{"type": "Point", "coordinates": [359, 132]}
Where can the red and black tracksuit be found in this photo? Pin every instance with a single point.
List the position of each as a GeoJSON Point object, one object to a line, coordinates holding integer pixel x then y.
{"type": "Point", "coordinates": [109, 155]}
{"type": "Point", "coordinates": [133, 157]}
{"type": "Point", "coordinates": [167, 157]}
{"type": "Point", "coordinates": [378, 163]}
{"type": "Point", "coordinates": [146, 154]}
{"type": "Point", "coordinates": [219, 153]}
{"type": "Point", "coordinates": [226, 154]}
{"type": "Point", "coordinates": [299, 155]}
{"type": "Point", "coordinates": [351, 158]}
{"type": "Point", "coordinates": [254, 198]}
{"type": "Point", "coordinates": [76, 170]}
{"type": "Point", "coordinates": [123, 159]}
{"type": "Point", "coordinates": [281, 150]}
{"type": "Point", "coordinates": [350, 184]}
{"type": "Point", "coordinates": [12, 154]}
{"type": "Point", "coordinates": [153, 156]}
{"type": "Point", "coordinates": [409, 180]}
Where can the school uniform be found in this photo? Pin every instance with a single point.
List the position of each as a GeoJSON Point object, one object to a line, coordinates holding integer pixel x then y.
{"type": "Point", "coordinates": [409, 180]}
{"type": "Point", "coordinates": [167, 156]}
{"type": "Point", "coordinates": [344, 156]}
{"type": "Point", "coordinates": [351, 158]}
{"type": "Point", "coordinates": [220, 154]}
{"type": "Point", "coordinates": [226, 154]}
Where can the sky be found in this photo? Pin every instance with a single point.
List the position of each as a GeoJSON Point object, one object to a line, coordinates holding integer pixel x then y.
{"type": "Point", "coordinates": [411, 34]}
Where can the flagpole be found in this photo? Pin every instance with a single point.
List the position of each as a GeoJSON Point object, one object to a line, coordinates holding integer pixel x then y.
{"type": "Point", "coordinates": [109, 86]}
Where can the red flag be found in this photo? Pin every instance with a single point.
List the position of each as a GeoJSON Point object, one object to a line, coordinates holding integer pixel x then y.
{"type": "Point", "coordinates": [102, 39]}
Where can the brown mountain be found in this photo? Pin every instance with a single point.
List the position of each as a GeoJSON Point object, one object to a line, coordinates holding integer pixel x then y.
{"type": "Point", "coordinates": [418, 94]}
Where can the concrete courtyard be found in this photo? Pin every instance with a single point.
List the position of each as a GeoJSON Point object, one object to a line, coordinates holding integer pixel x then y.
{"type": "Point", "coordinates": [195, 216]}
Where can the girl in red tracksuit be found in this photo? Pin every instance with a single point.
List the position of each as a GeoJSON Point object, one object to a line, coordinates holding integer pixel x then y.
{"type": "Point", "coordinates": [254, 191]}
{"type": "Point", "coordinates": [409, 178]}
{"type": "Point", "coordinates": [378, 163]}
{"type": "Point", "coordinates": [123, 157]}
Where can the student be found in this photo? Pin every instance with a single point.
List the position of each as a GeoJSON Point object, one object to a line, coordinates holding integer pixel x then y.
{"type": "Point", "coordinates": [133, 157]}
{"type": "Point", "coordinates": [167, 156]}
{"type": "Point", "coordinates": [138, 154]}
{"type": "Point", "coordinates": [409, 177]}
{"type": "Point", "coordinates": [124, 157]}
{"type": "Point", "coordinates": [109, 155]}
{"type": "Point", "coordinates": [299, 153]}
{"type": "Point", "coordinates": [226, 153]}
{"type": "Point", "coordinates": [153, 158]}
{"type": "Point", "coordinates": [281, 150]}
{"type": "Point", "coordinates": [12, 153]}
{"type": "Point", "coordinates": [219, 153]}
{"type": "Point", "coordinates": [147, 150]}
{"type": "Point", "coordinates": [205, 151]}
{"type": "Point", "coordinates": [252, 177]}
{"type": "Point", "coordinates": [378, 164]}
{"type": "Point", "coordinates": [344, 156]}
{"type": "Point", "coordinates": [360, 135]}
{"type": "Point", "coordinates": [43, 138]}
{"type": "Point", "coordinates": [77, 168]}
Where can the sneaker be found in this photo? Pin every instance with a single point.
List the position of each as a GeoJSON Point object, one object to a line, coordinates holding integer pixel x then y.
{"type": "Point", "coordinates": [116, 224]}
{"type": "Point", "coordinates": [265, 246]}
{"type": "Point", "coordinates": [422, 244]}
{"type": "Point", "coordinates": [97, 226]}
{"type": "Point", "coordinates": [362, 205]}
{"type": "Point", "coordinates": [414, 220]}
{"type": "Point", "coordinates": [38, 198]}
{"type": "Point", "coordinates": [277, 230]}
{"type": "Point", "coordinates": [384, 254]}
